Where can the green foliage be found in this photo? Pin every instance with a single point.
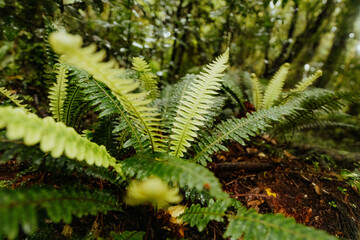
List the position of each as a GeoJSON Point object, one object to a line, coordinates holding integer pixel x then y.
{"type": "Point", "coordinates": [275, 87]}
{"type": "Point", "coordinates": [306, 82]}
{"type": "Point", "coordinates": [127, 235]}
{"type": "Point", "coordinates": [257, 92]}
{"type": "Point", "coordinates": [269, 226]}
{"type": "Point", "coordinates": [21, 207]}
{"type": "Point", "coordinates": [57, 93]}
{"type": "Point", "coordinates": [13, 98]}
{"type": "Point", "coordinates": [314, 103]}
{"type": "Point", "coordinates": [248, 223]}
{"type": "Point", "coordinates": [173, 169]}
{"type": "Point", "coordinates": [239, 130]}
{"type": "Point", "coordinates": [148, 79]}
{"type": "Point", "coordinates": [134, 103]}
{"type": "Point", "coordinates": [53, 137]}
{"type": "Point", "coordinates": [196, 103]}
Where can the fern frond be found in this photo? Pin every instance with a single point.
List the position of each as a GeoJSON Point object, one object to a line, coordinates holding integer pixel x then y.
{"type": "Point", "coordinates": [326, 124]}
{"type": "Point", "coordinates": [128, 235]}
{"type": "Point", "coordinates": [233, 91]}
{"type": "Point", "coordinates": [270, 226]}
{"type": "Point", "coordinates": [200, 216]}
{"type": "Point", "coordinates": [57, 93]}
{"type": "Point", "coordinates": [100, 97]}
{"type": "Point", "coordinates": [173, 169]}
{"type": "Point", "coordinates": [171, 97]}
{"type": "Point", "coordinates": [195, 104]}
{"type": "Point", "coordinates": [275, 86]}
{"type": "Point", "coordinates": [306, 82]}
{"type": "Point", "coordinates": [257, 92]}
{"type": "Point", "coordinates": [144, 117]}
{"type": "Point", "coordinates": [238, 130]}
{"type": "Point", "coordinates": [53, 137]}
{"type": "Point", "coordinates": [248, 224]}
{"type": "Point", "coordinates": [20, 207]}
{"type": "Point", "coordinates": [314, 102]}
{"type": "Point", "coordinates": [146, 77]}
{"type": "Point", "coordinates": [13, 98]}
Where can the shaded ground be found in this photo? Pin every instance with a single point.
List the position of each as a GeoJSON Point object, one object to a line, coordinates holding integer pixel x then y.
{"type": "Point", "coordinates": [261, 179]}
{"type": "Point", "coordinates": [291, 186]}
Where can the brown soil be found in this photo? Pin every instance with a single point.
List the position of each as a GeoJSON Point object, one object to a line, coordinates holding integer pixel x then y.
{"type": "Point", "coordinates": [289, 186]}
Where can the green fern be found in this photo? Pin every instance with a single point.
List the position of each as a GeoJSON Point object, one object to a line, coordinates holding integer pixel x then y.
{"type": "Point", "coordinates": [100, 97]}
{"type": "Point", "coordinates": [127, 235]}
{"type": "Point", "coordinates": [270, 226]}
{"type": "Point", "coordinates": [196, 103]}
{"type": "Point", "coordinates": [234, 93]}
{"type": "Point", "coordinates": [13, 98]}
{"type": "Point", "coordinates": [53, 137]}
{"type": "Point", "coordinates": [275, 86]}
{"type": "Point", "coordinates": [200, 216]}
{"type": "Point", "coordinates": [20, 207]}
{"type": "Point", "coordinates": [147, 78]}
{"type": "Point", "coordinates": [171, 96]}
{"type": "Point", "coordinates": [57, 93]}
{"type": "Point", "coordinates": [313, 103]}
{"type": "Point", "coordinates": [248, 223]}
{"type": "Point", "coordinates": [306, 82]}
{"type": "Point", "coordinates": [238, 130]}
{"type": "Point", "coordinates": [257, 92]}
{"type": "Point", "coordinates": [146, 118]}
{"type": "Point", "coordinates": [173, 169]}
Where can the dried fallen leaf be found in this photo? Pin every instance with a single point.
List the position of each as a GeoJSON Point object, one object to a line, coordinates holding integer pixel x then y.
{"type": "Point", "coordinates": [270, 193]}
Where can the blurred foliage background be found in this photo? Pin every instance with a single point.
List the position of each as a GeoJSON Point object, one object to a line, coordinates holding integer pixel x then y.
{"type": "Point", "coordinates": [179, 36]}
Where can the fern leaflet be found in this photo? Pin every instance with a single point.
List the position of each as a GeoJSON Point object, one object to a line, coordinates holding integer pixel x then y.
{"type": "Point", "coordinates": [301, 86]}
{"type": "Point", "coordinates": [53, 137]}
{"type": "Point", "coordinates": [195, 104]}
{"type": "Point", "coordinates": [275, 86]}
{"type": "Point", "coordinates": [256, 91]}
{"type": "Point", "coordinates": [13, 98]}
{"type": "Point", "coordinates": [57, 93]}
{"type": "Point", "coordinates": [147, 78]}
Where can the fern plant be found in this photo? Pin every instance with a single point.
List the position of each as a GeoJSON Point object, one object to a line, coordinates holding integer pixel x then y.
{"type": "Point", "coordinates": [138, 135]}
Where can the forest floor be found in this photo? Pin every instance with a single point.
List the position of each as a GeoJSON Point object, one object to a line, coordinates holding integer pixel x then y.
{"type": "Point", "coordinates": [311, 192]}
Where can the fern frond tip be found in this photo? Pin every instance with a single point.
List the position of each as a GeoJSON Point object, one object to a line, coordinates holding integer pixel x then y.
{"type": "Point", "coordinates": [62, 42]}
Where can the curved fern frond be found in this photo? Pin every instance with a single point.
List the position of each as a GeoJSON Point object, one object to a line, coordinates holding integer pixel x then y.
{"type": "Point", "coordinates": [173, 169]}
{"type": "Point", "coordinates": [144, 117]}
{"type": "Point", "coordinates": [257, 92]}
{"type": "Point", "coordinates": [238, 130]}
{"type": "Point", "coordinates": [57, 93]}
{"type": "Point", "coordinates": [195, 104]}
{"type": "Point", "coordinates": [306, 82]}
{"type": "Point", "coordinates": [314, 102]}
{"type": "Point", "coordinates": [248, 224]}
{"type": "Point", "coordinates": [13, 98]}
{"type": "Point", "coordinates": [147, 78]}
{"type": "Point", "coordinates": [20, 207]}
{"type": "Point", "coordinates": [54, 137]}
{"type": "Point", "coordinates": [275, 86]}
{"type": "Point", "coordinates": [270, 226]}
